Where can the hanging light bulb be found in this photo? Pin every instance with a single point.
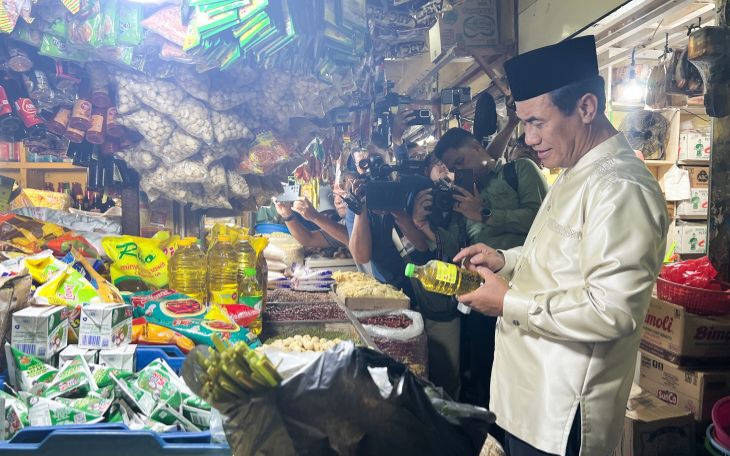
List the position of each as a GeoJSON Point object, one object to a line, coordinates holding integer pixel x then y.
{"type": "Point", "coordinates": [633, 91]}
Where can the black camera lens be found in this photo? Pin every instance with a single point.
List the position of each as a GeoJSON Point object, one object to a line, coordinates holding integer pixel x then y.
{"type": "Point", "coordinates": [443, 199]}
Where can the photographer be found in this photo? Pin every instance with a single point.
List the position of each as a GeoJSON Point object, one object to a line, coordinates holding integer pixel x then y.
{"type": "Point", "coordinates": [497, 210]}
{"type": "Point", "coordinates": [373, 233]}
{"type": "Point", "coordinates": [331, 234]}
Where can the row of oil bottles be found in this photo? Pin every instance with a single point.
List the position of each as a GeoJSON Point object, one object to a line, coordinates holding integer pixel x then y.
{"type": "Point", "coordinates": [226, 275]}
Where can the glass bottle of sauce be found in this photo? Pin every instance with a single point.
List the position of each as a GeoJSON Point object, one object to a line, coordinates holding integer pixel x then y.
{"type": "Point", "coordinates": [95, 133]}
{"type": "Point", "coordinates": [81, 112]}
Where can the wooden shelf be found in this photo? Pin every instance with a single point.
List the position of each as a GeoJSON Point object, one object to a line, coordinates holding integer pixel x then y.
{"type": "Point", "coordinates": [659, 162]}
{"type": "Point", "coordinates": [694, 162]}
{"type": "Point", "coordinates": [59, 166]}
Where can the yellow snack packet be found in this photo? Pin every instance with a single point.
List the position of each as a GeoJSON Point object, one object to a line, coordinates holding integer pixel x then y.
{"type": "Point", "coordinates": [137, 263]}
{"type": "Point", "coordinates": [43, 265]}
{"type": "Point", "coordinates": [67, 288]}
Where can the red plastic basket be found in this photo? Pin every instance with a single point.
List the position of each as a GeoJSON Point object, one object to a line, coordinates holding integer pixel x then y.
{"type": "Point", "coordinates": [696, 300]}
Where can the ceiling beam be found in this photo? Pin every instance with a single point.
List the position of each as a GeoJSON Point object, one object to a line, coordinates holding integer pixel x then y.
{"type": "Point", "coordinates": [638, 24]}
{"type": "Point", "coordinates": [677, 35]}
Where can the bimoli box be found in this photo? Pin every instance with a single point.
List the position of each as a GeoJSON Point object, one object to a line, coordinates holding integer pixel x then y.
{"type": "Point", "coordinates": [655, 428]}
{"type": "Point", "coordinates": [40, 331]}
{"type": "Point", "coordinates": [691, 237]}
{"type": "Point", "coordinates": [119, 358]}
{"type": "Point", "coordinates": [685, 339]}
{"type": "Point", "coordinates": [699, 176]}
{"type": "Point", "coordinates": [697, 206]}
{"type": "Point", "coordinates": [72, 351]}
{"type": "Point", "coordinates": [105, 326]}
{"type": "Point", "coordinates": [692, 391]}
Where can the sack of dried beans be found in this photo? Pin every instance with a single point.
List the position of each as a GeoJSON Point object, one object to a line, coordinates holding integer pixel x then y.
{"type": "Point", "coordinates": [399, 334]}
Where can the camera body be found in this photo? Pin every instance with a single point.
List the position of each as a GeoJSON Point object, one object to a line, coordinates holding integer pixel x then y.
{"type": "Point", "coordinates": [391, 188]}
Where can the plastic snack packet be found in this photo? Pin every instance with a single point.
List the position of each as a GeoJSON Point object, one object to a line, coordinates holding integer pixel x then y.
{"type": "Point", "coordinates": [145, 333]}
{"type": "Point", "coordinates": [29, 372]}
{"type": "Point", "coordinates": [103, 375]}
{"type": "Point", "coordinates": [42, 266]}
{"type": "Point", "coordinates": [15, 414]}
{"type": "Point", "coordinates": [67, 288]}
{"type": "Point", "coordinates": [73, 378]}
{"type": "Point", "coordinates": [47, 412]}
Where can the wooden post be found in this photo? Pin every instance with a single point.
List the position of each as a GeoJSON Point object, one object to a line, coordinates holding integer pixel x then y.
{"type": "Point", "coordinates": [130, 209]}
{"type": "Point", "coordinates": [709, 50]}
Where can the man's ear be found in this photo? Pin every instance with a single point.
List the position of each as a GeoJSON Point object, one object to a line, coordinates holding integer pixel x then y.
{"type": "Point", "coordinates": [588, 108]}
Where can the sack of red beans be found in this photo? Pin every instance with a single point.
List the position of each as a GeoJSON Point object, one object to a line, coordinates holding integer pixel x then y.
{"type": "Point", "coordinates": [399, 334]}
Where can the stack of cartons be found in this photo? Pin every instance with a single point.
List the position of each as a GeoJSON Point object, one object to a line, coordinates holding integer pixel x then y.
{"type": "Point", "coordinates": [685, 358]}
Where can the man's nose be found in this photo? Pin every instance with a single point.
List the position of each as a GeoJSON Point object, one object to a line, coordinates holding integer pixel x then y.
{"type": "Point", "coordinates": [531, 136]}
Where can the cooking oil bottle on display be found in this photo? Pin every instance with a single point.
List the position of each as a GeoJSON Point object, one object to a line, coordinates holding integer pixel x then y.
{"type": "Point", "coordinates": [250, 294]}
{"type": "Point", "coordinates": [223, 272]}
{"type": "Point", "coordinates": [187, 270]}
{"type": "Point", "coordinates": [445, 278]}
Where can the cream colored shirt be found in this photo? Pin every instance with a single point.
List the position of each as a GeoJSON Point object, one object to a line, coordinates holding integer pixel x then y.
{"type": "Point", "coordinates": [580, 287]}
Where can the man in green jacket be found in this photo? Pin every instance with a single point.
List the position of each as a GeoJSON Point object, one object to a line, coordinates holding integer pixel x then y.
{"type": "Point", "coordinates": [498, 210]}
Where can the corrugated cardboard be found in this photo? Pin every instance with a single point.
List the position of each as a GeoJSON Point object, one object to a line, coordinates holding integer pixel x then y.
{"type": "Point", "coordinates": [692, 391]}
{"type": "Point", "coordinates": [697, 206]}
{"type": "Point", "coordinates": [685, 339]}
{"type": "Point", "coordinates": [691, 238]}
{"type": "Point", "coordinates": [654, 428]}
{"type": "Point", "coordinates": [694, 145]}
{"type": "Point", "coordinates": [372, 303]}
{"type": "Point", "coordinates": [470, 24]}
{"type": "Point", "coordinates": [699, 176]}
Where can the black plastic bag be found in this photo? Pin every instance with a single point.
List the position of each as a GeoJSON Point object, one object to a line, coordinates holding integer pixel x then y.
{"type": "Point", "coordinates": [333, 407]}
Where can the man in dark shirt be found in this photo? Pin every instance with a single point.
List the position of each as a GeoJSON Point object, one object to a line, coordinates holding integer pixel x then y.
{"type": "Point", "coordinates": [372, 240]}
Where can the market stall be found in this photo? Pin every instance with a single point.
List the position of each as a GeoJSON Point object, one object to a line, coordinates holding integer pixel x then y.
{"type": "Point", "coordinates": [140, 299]}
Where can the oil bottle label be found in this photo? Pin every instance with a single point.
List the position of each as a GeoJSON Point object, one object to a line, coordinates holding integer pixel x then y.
{"type": "Point", "coordinates": [446, 272]}
{"type": "Point", "coordinates": [223, 296]}
{"type": "Point", "coordinates": [253, 302]}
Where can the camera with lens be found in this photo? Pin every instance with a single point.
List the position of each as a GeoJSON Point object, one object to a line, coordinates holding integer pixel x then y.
{"type": "Point", "coordinates": [391, 188]}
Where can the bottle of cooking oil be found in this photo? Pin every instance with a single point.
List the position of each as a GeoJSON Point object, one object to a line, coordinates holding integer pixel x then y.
{"type": "Point", "coordinates": [250, 294]}
{"type": "Point", "coordinates": [187, 270]}
{"type": "Point", "coordinates": [445, 278]}
{"type": "Point", "coordinates": [246, 255]}
{"type": "Point", "coordinates": [223, 272]}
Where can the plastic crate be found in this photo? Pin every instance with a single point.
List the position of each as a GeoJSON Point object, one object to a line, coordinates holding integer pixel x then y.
{"type": "Point", "coordinates": [112, 439]}
{"type": "Point", "coordinates": [170, 353]}
{"type": "Point", "coordinates": [696, 300]}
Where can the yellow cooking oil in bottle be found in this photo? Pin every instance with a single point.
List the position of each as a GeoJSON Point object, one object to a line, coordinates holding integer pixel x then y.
{"type": "Point", "coordinates": [250, 294]}
{"type": "Point", "coordinates": [223, 272]}
{"type": "Point", "coordinates": [445, 278]}
{"type": "Point", "coordinates": [187, 270]}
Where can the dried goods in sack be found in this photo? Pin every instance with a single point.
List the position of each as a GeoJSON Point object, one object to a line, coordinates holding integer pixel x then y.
{"type": "Point", "coordinates": [216, 182]}
{"type": "Point", "coordinates": [192, 116]}
{"type": "Point", "coordinates": [196, 85]}
{"type": "Point", "coordinates": [153, 126]}
{"type": "Point", "coordinates": [187, 171]}
{"type": "Point", "coordinates": [228, 126]}
{"type": "Point", "coordinates": [127, 101]}
{"type": "Point", "coordinates": [225, 99]}
{"type": "Point", "coordinates": [179, 147]}
{"type": "Point", "coordinates": [237, 185]}
{"type": "Point", "coordinates": [399, 334]}
{"type": "Point", "coordinates": [160, 95]}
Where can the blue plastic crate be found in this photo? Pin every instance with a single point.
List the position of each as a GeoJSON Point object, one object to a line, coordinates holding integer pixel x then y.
{"type": "Point", "coordinates": [111, 439]}
{"type": "Point", "coordinates": [170, 353]}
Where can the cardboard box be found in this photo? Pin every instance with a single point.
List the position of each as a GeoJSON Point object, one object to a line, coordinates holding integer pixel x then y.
{"type": "Point", "coordinates": [685, 339]}
{"type": "Point", "coordinates": [73, 351]}
{"type": "Point", "coordinates": [691, 238]}
{"type": "Point", "coordinates": [470, 24]}
{"type": "Point", "coordinates": [373, 303]}
{"type": "Point", "coordinates": [697, 206]}
{"type": "Point", "coordinates": [695, 145]}
{"type": "Point", "coordinates": [119, 358]}
{"type": "Point", "coordinates": [40, 331]}
{"type": "Point", "coordinates": [693, 391]}
{"type": "Point", "coordinates": [699, 176]}
{"type": "Point", "coordinates": [105, 326]}
{"type": "Point", "coordinates": [654, 428]}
